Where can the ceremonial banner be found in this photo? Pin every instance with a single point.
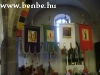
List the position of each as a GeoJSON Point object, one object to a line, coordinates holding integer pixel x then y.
{"type": "Point", "coordinates": [67, 36]}
{"type": "Point", "coordinates": [22, 19]}
{"type": "Point", "coordinates": [50, 38]}
{"type": "Point", "coordinates": [85, 35]}
{"type": "Point", "coordinates": [32, 39]}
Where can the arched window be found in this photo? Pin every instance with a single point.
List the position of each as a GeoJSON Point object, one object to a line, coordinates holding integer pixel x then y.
{"type": "Point", "coordinates": [60, 19]}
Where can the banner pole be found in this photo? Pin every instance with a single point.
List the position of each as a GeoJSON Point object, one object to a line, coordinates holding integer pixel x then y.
{"type": "Point", "coordinates": [49, 63]}
{"type": "Point", "coordinates": [66, 57]}
{"type": "Point", "coordinates": [67, 62]}
{"type": "Point", "coordinates": [26, 59]}
{"type": "Point", "coordinates": [85, 67]}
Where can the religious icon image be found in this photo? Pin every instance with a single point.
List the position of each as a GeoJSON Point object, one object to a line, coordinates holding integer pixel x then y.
{"type": "Point", "coordinates": [50, 35]}
{"type": "Point", "coordinates": [66, 32]}
{"type": "Point", "coordinates": [85, 34]}
{"type": "Point", "coordinates": [32, 36]}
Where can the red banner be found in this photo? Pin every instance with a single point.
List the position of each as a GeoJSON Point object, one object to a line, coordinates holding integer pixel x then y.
{"type": "Point", "coordinates": [85, 35]}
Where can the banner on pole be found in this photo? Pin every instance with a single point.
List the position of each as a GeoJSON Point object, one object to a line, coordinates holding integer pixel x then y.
{"type": "Point", "coordinates": [32, 39]}
{"type": "Point", "coordinates": [67, 36]}
{"type": "Point", "coordinates": [50, 38]}
{"type": "Point", "coordinates": [85, 35]}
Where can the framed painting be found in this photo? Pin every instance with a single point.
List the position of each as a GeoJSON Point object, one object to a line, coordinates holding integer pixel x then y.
{"type": "Point", "coordinates": [66, 32]}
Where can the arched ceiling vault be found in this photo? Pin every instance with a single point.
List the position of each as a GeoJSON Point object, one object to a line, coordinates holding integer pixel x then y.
{"type": "Point", "coordinates": [90, 6]}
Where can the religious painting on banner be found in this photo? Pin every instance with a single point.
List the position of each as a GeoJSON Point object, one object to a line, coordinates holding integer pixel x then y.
{"type": "Point", "coordinates": [66, 32]}
{"type": "Point", "coordinates": [50, 35]}
{"type": "Point", "coordinates": [32, 39]}
{"type": "Point", "coordinates": [50, 39]}
{"type": "Point", "coordinates": [67, 36]}
{"type": "Point", "coordinates": [85, 35]}
{"type": "Point", "coordinates": [32, 36]}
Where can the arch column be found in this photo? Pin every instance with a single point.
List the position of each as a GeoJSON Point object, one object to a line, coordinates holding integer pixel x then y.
{"type": "Point", "coordinates": [4, 45]}
{"type": "Point", "coordinates": [8, 47]}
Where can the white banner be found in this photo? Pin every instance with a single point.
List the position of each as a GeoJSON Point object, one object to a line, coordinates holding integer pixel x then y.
{"type": "Point", "coordinates": [67, 36]}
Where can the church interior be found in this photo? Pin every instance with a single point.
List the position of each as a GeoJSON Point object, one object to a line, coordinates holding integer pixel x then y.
{"type": "Point", "coordinates": [50, 37]}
